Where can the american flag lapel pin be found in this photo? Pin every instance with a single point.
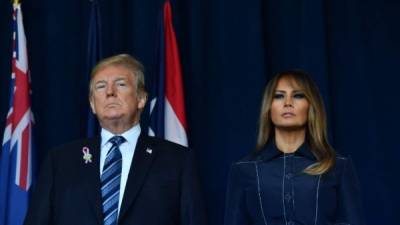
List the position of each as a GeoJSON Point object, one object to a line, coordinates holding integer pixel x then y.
{"type": "Point", "coordinates": [149, 150]}
{"type": "Point", "coordinates": [86, 155]}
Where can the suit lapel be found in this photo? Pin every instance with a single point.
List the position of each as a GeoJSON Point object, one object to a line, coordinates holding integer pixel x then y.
{"type": "Point", "coordinates": [141, 163]}
{"type": "Point", "coordinates": [91, 173]}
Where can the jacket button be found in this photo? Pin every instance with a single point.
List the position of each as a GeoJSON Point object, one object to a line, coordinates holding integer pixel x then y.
{"type": "Point", "coordinates": [289, 176]}
{"type": "Point", "coordinates": [288, 197]}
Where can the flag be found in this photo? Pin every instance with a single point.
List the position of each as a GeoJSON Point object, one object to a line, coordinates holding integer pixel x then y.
{"type": "Point", "coordinates": [94, 54]}
{"type": "Point", "coordinates": [167, 108]}
{"type": "Point", "coordinates": [16, 155]}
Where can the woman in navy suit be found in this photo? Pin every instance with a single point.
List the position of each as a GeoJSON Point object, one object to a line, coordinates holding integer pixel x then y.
{"type": "Point", "coordinates": [294, 177]}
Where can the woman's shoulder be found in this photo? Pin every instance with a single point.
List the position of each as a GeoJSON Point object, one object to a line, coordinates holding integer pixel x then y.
{"type": "Point", "coordinates": [342, 164]}
{"type": "Point", "coordinates": [246, 166]}
{"type": "Point", "coordinates": [250, 158]}
{"type": "Point", "coordinates": [244, 170]}
{"type": "Point", "coordinates": [259, 155]}
{"type": "Point", "coordinates": [341, 161]}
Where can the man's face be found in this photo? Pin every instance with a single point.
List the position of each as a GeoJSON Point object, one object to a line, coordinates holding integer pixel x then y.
{"type": "Point", "coordinates": [114, 98]}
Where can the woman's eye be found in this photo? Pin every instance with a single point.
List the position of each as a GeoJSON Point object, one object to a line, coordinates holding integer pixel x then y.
{"type": "Point", "coordinates": [299, 95]}
{"type": "Point", "coordinates": [278, 96]}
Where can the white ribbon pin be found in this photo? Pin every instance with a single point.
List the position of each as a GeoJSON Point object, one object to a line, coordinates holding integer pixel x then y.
{"type": "Point", "coordinates": [86, 155]}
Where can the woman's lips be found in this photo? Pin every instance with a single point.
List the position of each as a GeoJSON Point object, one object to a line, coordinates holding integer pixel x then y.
{"type": "Point", "coordinates": [288, 115]}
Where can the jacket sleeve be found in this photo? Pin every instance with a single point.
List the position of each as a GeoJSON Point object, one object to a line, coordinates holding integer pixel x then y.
{"type": "Point", "coordinates": [192, 201]}
{"type": "Point", "coordinates": [39, 210]}
{"type": "Point", "coordinates": [349, 202]}
{"type": "Point", "coordinates": [235, 207]}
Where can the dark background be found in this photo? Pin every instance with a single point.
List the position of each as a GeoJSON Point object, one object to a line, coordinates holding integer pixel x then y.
{"type": "Point", "coordinates": [229, 50]}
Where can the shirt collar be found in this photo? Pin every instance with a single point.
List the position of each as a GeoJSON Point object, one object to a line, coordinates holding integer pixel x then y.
{"type": "Point", "coordinates": [130, 135]}
{"type": "Point", "coordinates": [270, 151]}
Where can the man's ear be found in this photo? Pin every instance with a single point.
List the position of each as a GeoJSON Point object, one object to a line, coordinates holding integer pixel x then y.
{"type": "Point", "coordinates": [92, 105]}
{"type": "Point", "coordinates": [142, 100]}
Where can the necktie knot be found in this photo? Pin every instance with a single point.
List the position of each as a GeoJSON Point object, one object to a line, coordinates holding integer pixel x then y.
{"type": "Point", "coordinates": [117, 140]}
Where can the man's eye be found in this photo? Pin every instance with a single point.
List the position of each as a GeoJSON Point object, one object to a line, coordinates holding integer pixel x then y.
{"type": "Point", "coordinates": [99, 86]}
{"type": "Point", "coordinates": [278, 96]}
{"type": "Point", "coordinates": [121, 84]}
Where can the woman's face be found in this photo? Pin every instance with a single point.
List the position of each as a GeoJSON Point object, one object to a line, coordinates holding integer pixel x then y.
{"type": "Point", "coordinates": [289, 108]}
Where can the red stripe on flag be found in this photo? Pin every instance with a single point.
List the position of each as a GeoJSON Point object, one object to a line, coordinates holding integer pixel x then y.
{"type": "Point", "coordinates": [23, 178]}
{"type": "Point", "coordinates": [173, 73]}
{"type": "Point", "coordinates": [21, 95]}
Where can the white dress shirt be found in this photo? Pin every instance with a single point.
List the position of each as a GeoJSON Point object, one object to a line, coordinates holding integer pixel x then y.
{"type": "Point", "coordinates": [127, 150]}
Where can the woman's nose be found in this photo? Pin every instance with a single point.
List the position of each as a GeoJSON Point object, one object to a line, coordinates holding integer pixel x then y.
{"type": "Point", "coordinates": [288, 102]}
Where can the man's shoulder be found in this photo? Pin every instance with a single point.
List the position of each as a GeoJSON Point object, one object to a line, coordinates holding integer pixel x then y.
{"type": "Point", "coordinates": [79, 144]}
{"type": "Point", "coordinates": [163, 146]}
{"type": "Point", "coordinates": [162, 143]}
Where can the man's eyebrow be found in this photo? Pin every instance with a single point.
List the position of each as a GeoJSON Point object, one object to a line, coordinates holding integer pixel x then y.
{"type": "Point", "coordinates": [120, 78]}
{"type": "Point", "coordinates": [100, 81]}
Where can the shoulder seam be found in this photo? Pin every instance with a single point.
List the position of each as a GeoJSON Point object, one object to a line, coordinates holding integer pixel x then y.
{"type": "Point", "coordinates": [246, 162]}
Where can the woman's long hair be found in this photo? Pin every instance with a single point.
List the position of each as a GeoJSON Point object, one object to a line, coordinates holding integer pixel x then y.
{"type": "Point", "coordinates": [316, 131]}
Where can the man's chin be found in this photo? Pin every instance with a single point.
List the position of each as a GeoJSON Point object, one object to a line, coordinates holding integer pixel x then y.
{"type": "Point", "coordinates": [112, 117]}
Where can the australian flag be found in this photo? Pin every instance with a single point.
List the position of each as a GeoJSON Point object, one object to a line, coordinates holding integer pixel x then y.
{"type": "Point", "coordinates": [16, 156]}
{"type": "Point", "coordinates": [167, 106]}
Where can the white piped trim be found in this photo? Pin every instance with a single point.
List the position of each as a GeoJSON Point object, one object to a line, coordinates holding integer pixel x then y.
{"type": "Point", "coordinates": [259, 193]}
{"type": "Point", "coordinates": [317, 200]}
{"type": "Point", "coordinates": [283, 189]}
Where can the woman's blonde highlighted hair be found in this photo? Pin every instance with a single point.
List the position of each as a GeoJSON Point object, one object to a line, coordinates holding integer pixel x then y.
{"type": "Point", "coordinates": [316, 130]}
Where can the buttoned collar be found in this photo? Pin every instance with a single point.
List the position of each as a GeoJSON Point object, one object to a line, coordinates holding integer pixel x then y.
{"type": "Point", "coordinates": [129, 135]}
{"type": "Point", "coordinates": [270, 151]}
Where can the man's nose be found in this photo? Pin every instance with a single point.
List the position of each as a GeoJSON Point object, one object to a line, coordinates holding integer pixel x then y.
{"type": "Point", "coordinates": [110, 91]}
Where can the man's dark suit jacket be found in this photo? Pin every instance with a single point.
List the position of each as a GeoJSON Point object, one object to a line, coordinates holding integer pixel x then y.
{"type": "Point", "coordinates": [162, 187]}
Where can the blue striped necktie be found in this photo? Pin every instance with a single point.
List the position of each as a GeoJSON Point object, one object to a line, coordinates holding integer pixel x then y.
{"type": "Point", "coordinates": [110, 181]}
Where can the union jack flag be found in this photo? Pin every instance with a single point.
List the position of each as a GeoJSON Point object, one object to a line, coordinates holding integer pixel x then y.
{"type": "Point", "coordinates": [16, 156]}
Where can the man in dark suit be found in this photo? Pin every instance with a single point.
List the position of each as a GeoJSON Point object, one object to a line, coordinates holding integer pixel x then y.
{"type": "Point", "coordinates": [124, 176]}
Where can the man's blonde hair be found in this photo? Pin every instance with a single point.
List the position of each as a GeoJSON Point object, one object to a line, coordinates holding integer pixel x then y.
{"type": "Point", "coordinates": [126, 61]}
